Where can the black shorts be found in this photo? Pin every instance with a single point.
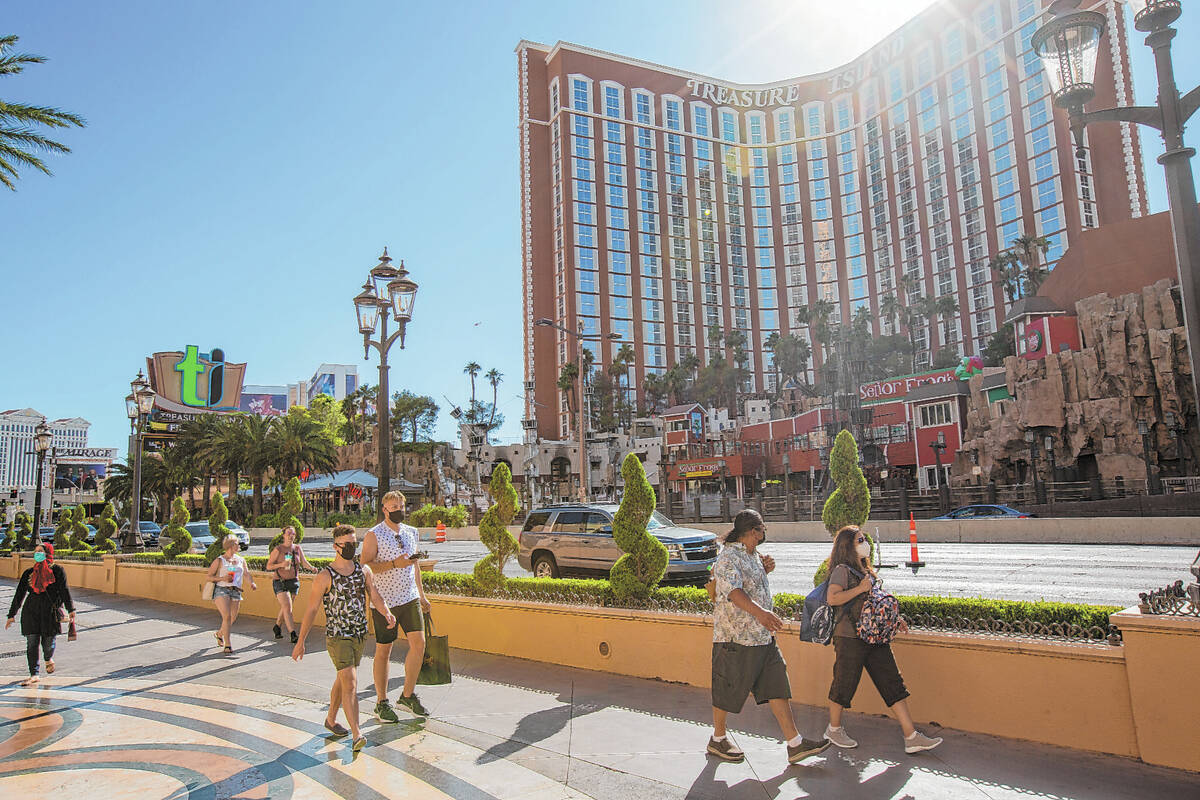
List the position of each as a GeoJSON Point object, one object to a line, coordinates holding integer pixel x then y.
{"type": "Point", "coordinates": [738, 670]}
{"type": "Point", "coordinates": [289, 585]}
{"type": "Point", "coordinates": [851, 654]}
{"type": "Point", "coordinates": [408, 619]}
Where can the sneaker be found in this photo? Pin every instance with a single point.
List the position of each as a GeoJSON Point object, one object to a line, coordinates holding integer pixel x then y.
{"type": "Point", "coordinates": [278, 631]}
{"type": "Point", "coordinates": [384, 712]}
{"type": "Point", "coordinates": [919, 741]}
{"type": "Point", "coordinates": [838, 737]}
{"type": "Point", "coordinates": [806, 748]}
{"type": "Point", "coordinates": [413, 703]}
{"type": "Point", "coordinates": [359, 743]}
{"type": "Point", "coordinates": [726, 750]}
{"type": "Point", "coordinates": [295, 637]}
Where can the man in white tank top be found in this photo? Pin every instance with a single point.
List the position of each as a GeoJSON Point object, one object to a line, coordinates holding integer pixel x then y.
{"type": "Point", "coordinates": [390, 550]}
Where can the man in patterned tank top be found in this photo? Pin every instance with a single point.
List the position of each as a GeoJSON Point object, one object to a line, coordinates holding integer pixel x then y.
{"type": "Point", "coordinates": [342, 589]}
{"type": "Point", "coordinates": [390, 550]}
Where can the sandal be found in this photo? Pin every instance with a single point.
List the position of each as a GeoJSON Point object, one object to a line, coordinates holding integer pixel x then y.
{"type": "Point", "coordinates": [220, 641]}
{"type": "Point", "coordinates": [50, 667]}
{"type": "Point", "coordinates": [30, 681]}
{"type": "Point", "coordinates": [228, 650]}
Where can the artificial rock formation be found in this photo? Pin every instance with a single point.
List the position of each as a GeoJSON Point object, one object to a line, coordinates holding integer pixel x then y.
{"type": "Point", "coordinates": [1134, 366]}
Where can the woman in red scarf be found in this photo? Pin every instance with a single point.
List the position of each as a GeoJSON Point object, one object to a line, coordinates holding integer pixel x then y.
{"type": "Point", "coordinates": [43, 590]}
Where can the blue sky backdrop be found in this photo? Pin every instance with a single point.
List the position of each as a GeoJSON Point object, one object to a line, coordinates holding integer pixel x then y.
{"type": "Point", "coordinates": [245, 163]}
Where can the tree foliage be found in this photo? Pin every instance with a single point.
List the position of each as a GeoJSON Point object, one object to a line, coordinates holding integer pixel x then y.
{"type": "Point", "coordinates": [289, 515]}
{"type": "Point", "coordinates": [327, 412]}
{"type": "Point", "coordinates": [414, 415]}
{"type": "Point", "coordinates": [20, 141]}
{"type": "Point", "coordinates": [850, 502]}
{"type": "Point", "coordinates": [1002, 345]}
{"type": "Point", "coordinates": [636, 573]}
{"type": "Point", "coordinates": [79, 531]}
{"type": "Point", "coordinates": [181, 540]}
{"type": "Point", "coordinates": [21, 537]}
{"type": "Point", "coordinates": [106, 528]}
{"type": "Point", "coordinates": [493, 530]}
{"type": "Point", "coordinates": [62, 532]}
{"type": "Point", "coordinates": [216, 528]}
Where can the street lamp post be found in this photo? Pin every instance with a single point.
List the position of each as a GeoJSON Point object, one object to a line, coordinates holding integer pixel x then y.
{"type": "Point", "coordinates": [938, 445]}
{"type": "Point", "coordinates": [1068, 46]}
{"type": "Point", "coordinates": [138, 405]}
{"type": "Point", "coordinates": [388, 294]}
{"type": "Point", "coordinates": [1145, 430]}
{"type": "Point", "coordinates": [42, 437]}
{"type": "Point", "coordinates": [585, 466]}
{"type": "Point", "coordinates": [1039, 491]}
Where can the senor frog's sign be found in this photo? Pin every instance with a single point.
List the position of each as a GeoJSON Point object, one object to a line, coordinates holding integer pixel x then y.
{"type": "Point", "coordinates": [898, 388]}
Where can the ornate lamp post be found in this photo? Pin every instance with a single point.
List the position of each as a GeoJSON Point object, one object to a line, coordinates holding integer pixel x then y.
{"type": "Point", "coordinates": [42, 437]}
{"type": "Point", "coordinates": [138, 405]}
{"type": "Point", "coordinates": [388, 295]}
{"type": "Point", "coordinates": [938, 445]}
{"type": "Point", "coordinates": [1068, 46]}
{"type": "Point", "coordinates": [585, 466]}
{"type": "Point", "coordinates": [1145, 430]}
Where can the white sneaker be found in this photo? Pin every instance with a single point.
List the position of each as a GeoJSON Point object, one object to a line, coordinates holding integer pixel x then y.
{"type": "Point", "coordinates": [838, 737]}
{"type": "Point", "coordinates": [919, 741]}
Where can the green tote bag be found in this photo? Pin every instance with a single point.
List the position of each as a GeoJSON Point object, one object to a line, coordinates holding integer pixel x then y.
{"type": "Point", "coordinates": [435, 668]}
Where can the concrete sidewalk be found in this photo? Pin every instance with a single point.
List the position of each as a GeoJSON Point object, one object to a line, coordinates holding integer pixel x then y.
{"type": "Point", "coordinates": [504, 728]}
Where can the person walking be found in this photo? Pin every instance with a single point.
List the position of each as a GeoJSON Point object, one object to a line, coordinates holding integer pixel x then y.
{"type": "Point", "coordinates": [390, 550]}
{"type": "Point", "coordinates": [745, 655]}
{"type": "Point", "coordinates": [286, 561]}
{"type": "Point", "coordinates": [41, 595]}
{"type": "Point", "coordinates": [343, 587]}
{"type": "Point", "coordinates": [850, 577]}
{"type": "Point", "coordinates": [230, 573]}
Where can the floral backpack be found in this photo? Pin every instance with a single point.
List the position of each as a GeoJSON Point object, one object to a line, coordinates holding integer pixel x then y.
{"type": "Point", "coordinates": [880, 616]}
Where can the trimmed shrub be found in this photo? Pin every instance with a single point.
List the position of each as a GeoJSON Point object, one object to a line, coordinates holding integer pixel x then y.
{"type": "Point", "coordinates": [106, 528]}
{"type": "Point", "coordinates": [850, 502]}
{"type": "Point", "coordinates": [489, 570]}
{"type": "Point", "coordinates": [79, 531]}
{"type": "Point", "coordinates": [265, 521]}
{"type": "Point", "coordinates": [366, 519]}
{"type": "Point", "coordinates": [62, 532]}
{"type": "Point", "coordinates": [181, 540]}
{"type": "Point", "coordinates": [637, 572]}
{"type": "Point", "coordinates": [429, 515]}
{"type": "Point", "coordinates": [216, 527]}
{"type": "Point", "coordinates": [293, 504]}
{"type": "Point", "coordinates": [22, 532]}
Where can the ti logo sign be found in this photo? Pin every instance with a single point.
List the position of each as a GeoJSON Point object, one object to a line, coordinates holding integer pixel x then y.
{"type": "Point", "coordinates": [194, 367]}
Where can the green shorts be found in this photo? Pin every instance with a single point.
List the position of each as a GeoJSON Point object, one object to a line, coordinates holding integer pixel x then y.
{"type": "Point", "coordinates": [344, 651]}
{"type": "Point", "coordinates": [408, 619]}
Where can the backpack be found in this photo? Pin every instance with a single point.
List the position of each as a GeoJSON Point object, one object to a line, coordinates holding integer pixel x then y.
{"type": "Point", "coordinates": [818, 617]}
{"type": "Point", "coordinates": [880, 617]}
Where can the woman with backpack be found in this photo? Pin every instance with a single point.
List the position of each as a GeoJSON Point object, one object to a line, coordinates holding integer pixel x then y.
{"type": "Point", "coordinates": [851, 577]}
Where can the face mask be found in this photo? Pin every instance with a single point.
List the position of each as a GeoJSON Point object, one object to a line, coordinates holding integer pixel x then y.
{"type": "Point", "coordinates": [863, 549]}
{"type": "Point", "coordinates": [347, 550]}
{"type": "Point", "coordinates": [396, 516]}
{"type": "Point", "coordinates": [39, 557]}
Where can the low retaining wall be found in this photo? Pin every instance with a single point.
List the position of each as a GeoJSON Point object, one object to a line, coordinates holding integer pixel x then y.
{"type": "Point", "coordinates": [1136, 700]}
{"type": "Point", "coordinates": [466, 534]}
{"type": "Point", "coordinates": [1039, 530]}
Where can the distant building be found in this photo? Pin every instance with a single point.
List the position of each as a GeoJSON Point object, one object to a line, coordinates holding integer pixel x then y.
{"type": "Point", "coordinates": [74, 471]}
{"type": "Point", "coordinates": [334, 380]}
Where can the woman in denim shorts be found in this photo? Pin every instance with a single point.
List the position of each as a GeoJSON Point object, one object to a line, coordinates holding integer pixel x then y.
{"type": "Point", "coordinates": [229, 571]}
{"type": "Point", "coordinates": [286, 561]}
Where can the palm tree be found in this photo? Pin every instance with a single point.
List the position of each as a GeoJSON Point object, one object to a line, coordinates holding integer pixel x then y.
{"type": "Point", "coordinates": [19, 141]}
{"type": "Point", "coordinates": [472, 369]}
{"type": "Point", "coordinates": [1003, 265]}
{"type": "Point", "coordinates": [655, 391]}
{"type": "Point", "coordinates": [911, 313]}
{"type": "Point", "coordinates": [196, 435]}
{"type": "Point", "coordinates": [301, 442]}
{"type": "Point", "coordinates": [945, 307]}
{"type": "Point", "coordinates": [1028, 251]}
{"type": "Point", "coordinates": [226, 449]}
{"type": "Point", "coordinates": [494, 377]}
{"type": "Point", "coordinates": [817, 318]}
{"type": "Point", "coordinates": [889, 307]}
{"type": "Point", "coordinates": [356, 406]}
{"type": "Point", "coordinates": [259, 439]}
{"type": "Point", "coordinates": [118, 484]}
{"type": "Point", "coordinates": [566, 383]}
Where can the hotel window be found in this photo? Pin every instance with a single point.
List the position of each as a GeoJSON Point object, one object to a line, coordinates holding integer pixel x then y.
{"type": "Point", "coordinates": [621, 307]}
{"type": "Point", "coordinates": [612, 102]}
{"type": "Point", "coordinates": [581, 94]}
{"type": "Point", "coordinates": [895, 83]}
{"type": "Point", "coordinates": [729, 126]}
{"type": "Point", "coordinates": [814, 119]}
{"type": "Point", "coordinates": [618, 240]}
{"type": "Point", "coordinates": [585, 280]}
{"type": "Point", "coordinates": [842, 115]}
{"type": "Point", "coordinates": [614, 174]}
{"type": "Point", "coordinates": [953, 45]}
{"type": "Point", "coordinates": [615, 195]}
{"type": "Point", "coordinates": [585, 214]}
{"type": "Point", "coordinates": [784, 129]}
{"type": "Point", "coordinates": [756, 121]}
{"type": "Point", "coordinates": [643, 108]}
{"type": "Point", "coordinates": [924, 66]}
{"type": "Point", "coordinates": [673, 113]}
{"type": "Point", "coordinates": [617, 218]}
{"type": "Point", "coordinates": [701, 121]}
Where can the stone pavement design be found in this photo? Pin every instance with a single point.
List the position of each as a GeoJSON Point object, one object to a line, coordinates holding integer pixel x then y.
{"type": "Point", "coordinates": [160, 712]}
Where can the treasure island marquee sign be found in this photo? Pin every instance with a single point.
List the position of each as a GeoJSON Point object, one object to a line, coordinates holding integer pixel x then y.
{"type": "Point", "coordinates": [841, 81]}
{"type": "Point", "coordinates": [192, 381]}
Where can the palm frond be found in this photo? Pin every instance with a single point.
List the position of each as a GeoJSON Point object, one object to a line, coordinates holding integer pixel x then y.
{"type": "Point", "coordinates": [8, 152]}
{"type": "Point", "coordinates": [27, 137]}
{"type": "Point", "coordinates": [39, 115]}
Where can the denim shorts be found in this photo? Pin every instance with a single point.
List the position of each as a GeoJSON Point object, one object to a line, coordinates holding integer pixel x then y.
{"type": "Point", "coordinates": [232, 592]}
{"type": "Point", "coordinates": [289, 585]}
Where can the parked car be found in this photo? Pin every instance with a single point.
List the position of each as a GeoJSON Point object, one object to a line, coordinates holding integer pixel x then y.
{"type": "Point", "coordinates": [986, 512]}
{"type": "Point", "coordinates": [150, 532]}
{"type": "Point", "coordinates": [202, 538]}
{"type": "Point", "coordinates": [577, 539]}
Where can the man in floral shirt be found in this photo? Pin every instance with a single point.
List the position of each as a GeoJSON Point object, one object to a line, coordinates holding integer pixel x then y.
{"type": "Point", "coordinates": [745, 657]}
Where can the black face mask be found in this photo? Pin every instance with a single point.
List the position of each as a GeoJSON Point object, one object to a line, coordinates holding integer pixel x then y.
{"type": "Point", "coordinates": [347, 550]}
{"type": "Point", "coordinates": [396, 516]}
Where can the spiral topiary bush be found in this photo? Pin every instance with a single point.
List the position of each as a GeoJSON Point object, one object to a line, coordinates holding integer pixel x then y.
{"type": "Point", "coordinates": [79, 532]}
{"type": "Point", "coordinates": [636, 573]}
{"type": "Point", "coordinates": [22, 531]}
{"type": "Point", "coordinates": [850, 503]}
{"type": "Point", "coordinates": [216, 527]}
{"type": "Point", "coordinates": [293, 504]}
{"type": "Point", "coordinates": [493, 530]}
{"type": "Point", "coordinates": [106, 528]}
{"type": "Point", "coordinates": [181, 540]}
{"type": "Point", "coordinates": [62, 532]}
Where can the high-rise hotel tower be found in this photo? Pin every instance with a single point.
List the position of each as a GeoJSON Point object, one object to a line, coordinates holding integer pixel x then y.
{"type": "Point", "coordinates": [657, 202]}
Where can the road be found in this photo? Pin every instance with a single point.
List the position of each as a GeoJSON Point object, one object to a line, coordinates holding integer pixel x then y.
{"type": "Point", "coordinates": [1096, 574]}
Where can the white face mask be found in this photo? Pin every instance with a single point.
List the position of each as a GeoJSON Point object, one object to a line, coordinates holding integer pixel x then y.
{"type": "Point", "coordinates": [863, 549]}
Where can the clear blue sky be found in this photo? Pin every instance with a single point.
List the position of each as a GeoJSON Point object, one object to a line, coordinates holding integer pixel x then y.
{"type": "Point", "coordinates": [245, 163]}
